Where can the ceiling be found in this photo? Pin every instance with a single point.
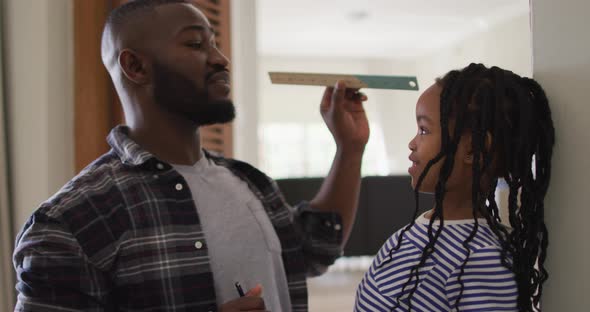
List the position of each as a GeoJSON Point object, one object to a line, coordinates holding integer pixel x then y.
{"type": "Point", "coordinates": [374, 28]}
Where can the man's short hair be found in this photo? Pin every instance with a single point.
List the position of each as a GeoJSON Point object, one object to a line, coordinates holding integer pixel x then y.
{"type": "Point", "coordinates": [118, 16]}
{"type": "Point", "coordinates": [121, 19]}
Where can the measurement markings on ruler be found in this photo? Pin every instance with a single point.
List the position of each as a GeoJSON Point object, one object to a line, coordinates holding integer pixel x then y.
{"type": "Point", "coordinates": [352, 81]}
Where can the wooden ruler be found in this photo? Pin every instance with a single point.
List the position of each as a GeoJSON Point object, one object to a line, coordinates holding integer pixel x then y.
{"type": "Point", "coordinates": [352, 81]}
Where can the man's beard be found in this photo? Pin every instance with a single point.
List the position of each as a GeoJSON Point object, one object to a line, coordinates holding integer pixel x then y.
{"type": "Point", "coordinates": [179, 95]}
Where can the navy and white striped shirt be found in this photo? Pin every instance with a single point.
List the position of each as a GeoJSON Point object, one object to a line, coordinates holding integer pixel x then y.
{"type": "Point", "coordinates": [488, 285]}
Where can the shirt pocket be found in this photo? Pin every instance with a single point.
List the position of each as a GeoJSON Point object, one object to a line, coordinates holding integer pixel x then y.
{"type": "Point", "coordinates": [267, 229]}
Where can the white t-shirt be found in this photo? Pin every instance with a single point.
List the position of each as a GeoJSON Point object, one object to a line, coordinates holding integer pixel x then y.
{"type": "Point", "coordinates": [243, 245]}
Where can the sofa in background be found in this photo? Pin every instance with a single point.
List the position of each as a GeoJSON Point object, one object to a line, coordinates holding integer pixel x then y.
{"type": "Point", "coordinates": [386, 204]}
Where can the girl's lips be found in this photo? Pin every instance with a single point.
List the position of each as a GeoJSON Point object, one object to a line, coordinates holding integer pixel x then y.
{"type": "Point", "coordinates": [412, 168]}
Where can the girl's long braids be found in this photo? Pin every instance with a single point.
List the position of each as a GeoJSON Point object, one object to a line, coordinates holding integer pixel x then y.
{"type": "Point", "coordinates": [512, 132]}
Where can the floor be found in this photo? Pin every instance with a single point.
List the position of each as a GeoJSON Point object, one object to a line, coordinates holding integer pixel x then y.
{"type": "Point", "coordinates": [335, 290]}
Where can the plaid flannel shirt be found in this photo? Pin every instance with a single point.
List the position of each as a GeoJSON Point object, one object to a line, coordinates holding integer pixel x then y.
{"type": "Point", "coordinates": [125, 235]}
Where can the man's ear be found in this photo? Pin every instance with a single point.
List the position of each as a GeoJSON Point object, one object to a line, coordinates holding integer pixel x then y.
{"type": "Point", "coordinates": [134, 66]}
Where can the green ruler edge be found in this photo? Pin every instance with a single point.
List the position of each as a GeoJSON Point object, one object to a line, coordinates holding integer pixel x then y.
{"type": "Point", "coordinates": [352, 81]}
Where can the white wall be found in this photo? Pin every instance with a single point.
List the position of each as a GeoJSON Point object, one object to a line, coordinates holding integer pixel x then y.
{"type": "Point", "coordinates": [6, 233]}
{"type": "Point", "coordinates": [561, 51]}
{"type": "Point", "coordinates": [38, 42]}
{"type": "Point", "coordinates": [245, 85]}
{"type": "Point", "coordinates": [506, 44]}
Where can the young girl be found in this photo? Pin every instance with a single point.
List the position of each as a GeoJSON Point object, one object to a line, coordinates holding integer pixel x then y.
{"type": "Point", "coordinates": [474, 126]}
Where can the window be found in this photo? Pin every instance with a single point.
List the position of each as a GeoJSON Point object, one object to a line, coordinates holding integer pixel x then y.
{"type": "Point", "coordinates": [290, 150]}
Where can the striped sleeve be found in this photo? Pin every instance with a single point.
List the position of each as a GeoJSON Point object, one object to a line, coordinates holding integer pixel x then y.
{"type": "Point", "coordinates": [488, 286]}
{"type": "Point", "coordinates": [369, 297]}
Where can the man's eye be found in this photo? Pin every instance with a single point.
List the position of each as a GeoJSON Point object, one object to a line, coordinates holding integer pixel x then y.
{"type": "Point", "coordinates": [195, 45]}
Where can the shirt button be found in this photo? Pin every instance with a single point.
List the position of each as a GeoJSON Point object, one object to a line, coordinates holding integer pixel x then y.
{"type": "Point", "coordinates": [179, 187]}
{"type": "Point", "coordinates": [160, 166]}
{"type": "Point", "coordinates": [337, 227]}
{"type": "Point", "coordinates": [198, 245]}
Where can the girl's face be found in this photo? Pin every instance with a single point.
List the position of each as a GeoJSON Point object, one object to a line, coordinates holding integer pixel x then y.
{"type": "Point", "coordinates": [427, 144]}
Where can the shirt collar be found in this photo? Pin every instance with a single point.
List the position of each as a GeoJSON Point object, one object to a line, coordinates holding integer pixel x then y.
{"type": "Point", "coordinates": [128, 150]}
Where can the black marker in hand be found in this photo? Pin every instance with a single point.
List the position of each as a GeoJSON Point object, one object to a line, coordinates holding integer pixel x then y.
{"type": "Point", "coordinates": [240, 290]}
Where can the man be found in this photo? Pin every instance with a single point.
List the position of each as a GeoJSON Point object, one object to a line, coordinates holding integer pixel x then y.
{"type": "Point", "coordinates": [158, 224]}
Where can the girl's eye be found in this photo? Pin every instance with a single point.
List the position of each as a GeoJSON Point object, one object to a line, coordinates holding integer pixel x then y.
{"type": "Point", "coordinates": [422, 131]}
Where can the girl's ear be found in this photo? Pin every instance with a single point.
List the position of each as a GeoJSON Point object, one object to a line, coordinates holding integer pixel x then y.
{"type": "Point", "coordinates": [465, 149]}
{"type": "Point", "coordinates": [468, 158]}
